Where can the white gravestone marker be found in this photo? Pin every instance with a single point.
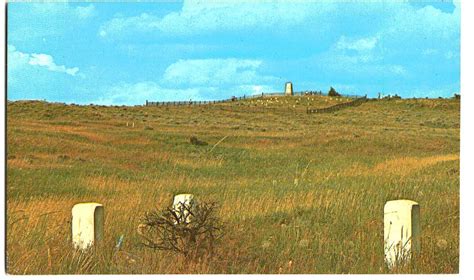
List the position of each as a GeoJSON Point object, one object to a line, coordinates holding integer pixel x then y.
{"type": "Point", "coordinates": [184, 199]}
{"type": "Point", "coordinates": [87, 224]}
{"type": "Point", "coordinates": [401, 231]}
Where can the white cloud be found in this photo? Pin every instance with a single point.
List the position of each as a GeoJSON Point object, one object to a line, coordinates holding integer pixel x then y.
{"type": "Point", "coordinates": [433, 92]}
{"type": "Point", "coordinates": [397, 69]}
{"type": "Point", "coordinates": [336, 58]}
{"type": "Point", "coordinates": [408, 23]}
{"type": "Point", "coordinates": [137, 93]}
{"type": "Point", "coordinates": [214, 72]}
{"type": "Point", "coordinates": [449, 55]}
{"type": "Point", "coordinates": [382, 24]}
{"type": "Point", "coordinates": [195, 79]}
{"type": "Point", "coordinates": [429, 51]}
{"type": "Point", "coordinates": [197, 17]}
{"type": "Point", "coordinates": [359, 64]}
{"type": "Point", "coordinates": [254, 89]}
{"type": "Point", "coordinates": [364, 44]}
{"type": "Point", "coordinates": [17, 59]}
{"type": "Point", "coordinates": [34, 21]}
{"type": "Point", "coordinates": [84, 12]}
{"type": "Point", "coordinates": [45, 60]}
{"type": "Point", "coordinates": [62, 9]}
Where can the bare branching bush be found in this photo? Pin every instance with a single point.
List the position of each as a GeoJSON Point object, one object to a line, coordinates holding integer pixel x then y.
{"type": "Point", "coordinates": [187, 229]}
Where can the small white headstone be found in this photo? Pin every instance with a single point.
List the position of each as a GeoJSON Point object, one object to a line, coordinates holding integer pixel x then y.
{"type": "Point", "coordinates": [187, 200]}
{"type": "Point", "coordinates": [401, 231]}
{"type": "Point", "coordinates": [87, 224]}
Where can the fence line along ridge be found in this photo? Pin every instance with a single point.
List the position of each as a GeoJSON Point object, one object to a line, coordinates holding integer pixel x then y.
{"type": "Point", "coordinates": [233, 98]}
{"type": "Point", "coordinates": [337, 107]}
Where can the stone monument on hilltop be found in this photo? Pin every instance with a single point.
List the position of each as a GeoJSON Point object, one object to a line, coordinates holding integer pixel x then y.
{"type": "Point", "coordinates": [288, 88]}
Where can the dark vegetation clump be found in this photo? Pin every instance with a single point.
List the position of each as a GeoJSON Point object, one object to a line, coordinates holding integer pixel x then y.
{"type": "Point", "coordinates": [192, 230]}
{"type": "Point", "coordinates": [63, 157]}
{"type": "Point", "coordinates": [333, 92]}
{"type": "Point", "coordinates": [193, 140]}
{"type": "Point", "coordinates": [392, 97]}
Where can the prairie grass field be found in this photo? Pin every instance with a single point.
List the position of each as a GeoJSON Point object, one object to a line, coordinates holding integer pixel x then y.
{"type": "Point", "coordinates": [298, 193]}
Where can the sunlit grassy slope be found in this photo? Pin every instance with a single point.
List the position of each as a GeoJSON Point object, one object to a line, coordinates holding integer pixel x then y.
{"type": "Point", "coordinates": [299, 193]}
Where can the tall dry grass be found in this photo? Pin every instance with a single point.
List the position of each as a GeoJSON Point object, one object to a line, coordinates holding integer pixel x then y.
{"type": "Point", "coordinates": [298, 193]}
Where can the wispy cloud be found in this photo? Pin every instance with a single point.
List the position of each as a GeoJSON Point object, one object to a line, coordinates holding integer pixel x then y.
{"type": "Point", "coordinates": [29, 21]}
{"type": "Point", "coordinates": [84, 12]}
{"type": "Point", "coordinates": [363, 44]}
{"type": "Point", "coordinates": [137, 93]}
{"type": "Point", "coordinates": [398, 69]}
{"type": "Point", "coordinates": [429, 51]}
{"type": "Point", "coordinates": [215, 72]}
{"type": "Point", "coordinates": [216, 49]}
{"type": "Point", "coordinates": [62, 9]}
{"type": "Point", "coordinates": [197, 17]}
{"type": "Point", "coordinates": [195, 79]}
{"type": "Point", "coordinates": [200, 17]}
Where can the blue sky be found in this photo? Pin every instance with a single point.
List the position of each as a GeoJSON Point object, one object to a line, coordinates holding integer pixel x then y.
{"type": "Point", "coordinates": [126, 53]}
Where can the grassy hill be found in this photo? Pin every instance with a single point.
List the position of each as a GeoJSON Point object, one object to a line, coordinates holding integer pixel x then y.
{"type": "Point", "coordinates": [299, 193]}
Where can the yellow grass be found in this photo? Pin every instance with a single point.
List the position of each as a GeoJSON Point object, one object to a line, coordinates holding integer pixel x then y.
{"type": "Point", "coordinates": [298, 193]}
